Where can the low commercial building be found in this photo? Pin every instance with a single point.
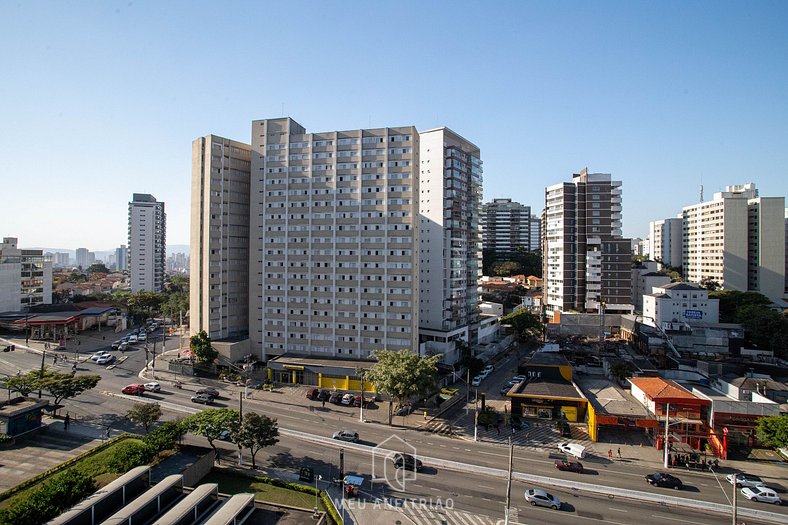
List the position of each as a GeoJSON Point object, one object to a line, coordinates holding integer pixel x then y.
{"type": "Point", "coordinates": [549, 392]}
{"type": "Point", "coordinates": [21, 415]}
{"type": "Point", "coordinates": [613, 409]}
{"type": "Point", "coordinates": [323, 373]}
{"type": "Point", "coordinates": [679, 303]}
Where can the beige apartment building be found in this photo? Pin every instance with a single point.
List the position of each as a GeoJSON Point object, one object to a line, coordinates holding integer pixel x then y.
{"type": "Point", "coordinates": [219, 258]}
{"type": "Point", "coordinates": [333, 252]}
{"type": "Point", "coordinates": [738, 240]}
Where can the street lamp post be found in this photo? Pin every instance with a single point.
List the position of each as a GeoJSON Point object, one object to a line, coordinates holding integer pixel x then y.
{"type": "Point", "coordinates": [317, 492]}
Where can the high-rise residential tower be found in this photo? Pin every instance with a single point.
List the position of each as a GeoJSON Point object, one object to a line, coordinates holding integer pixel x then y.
{"type": "Point", "coordinates": [450, 248]}
{"type": "Point", "coordinates": [219, 261]}
{"type": "Point", "coordinates": [121, 258]}
{"type": "Point", "coordinates": [82, 259]}
{"type": "Point", "coordinates": [586, 260]}
{"type": "Point", "coordinates": [333, 254]}
{"type": "Point", "coordinates": [506, 227]}
{"type": "Point", "coordinates": [737, 239]}
{"type": "Point", "coordinates": [147, 243]}
{"type": "Point", "coordinates": [535, 242]}
{"type": "Point", "coordinates": [665, 241]}
{"type": "Point", "coordinates": [25, 276]}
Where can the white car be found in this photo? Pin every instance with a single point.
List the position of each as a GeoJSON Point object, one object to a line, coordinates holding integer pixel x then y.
{"type": "Point", "coordinates": [99, 355]}
{"type": "Point", "coordinates": [133, 338]}
{"type": "Point", "coordinates": [153, 386]}
{"type": "Point", "coordinates": [477, 381]}
{"type": "Point", "coordinates": [745, 480]}
{"type": "Point", "coordinates": [105, 359]}
{"type": "Point", "coordinates": [487, 370]}
{"type": "Point", "coordinates": [142, 338]}
{"type": "Point", "coordinates": [761, 493]}
{"type": "Point", "coordinates": [347, 399]}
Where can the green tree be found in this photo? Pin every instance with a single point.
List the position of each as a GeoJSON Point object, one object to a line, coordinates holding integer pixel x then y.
{"type": "Point", "coordinates": [200, 345]}
{"type": "Point", "coordinates": [212, 422]}
{"type": "Point", "coordinates": [732, 300]}
{"type": "Point", "coordinates": [506, 268]}
{"type": "Point", "coordinates": [166, 435]}
{"type": "Point", "coordinates": [709, 284]}
{"type": "Point", "coordinates": [525, 325]}
{"type": "Point", "coordinates": [24, 383]}
{"type": "Point", "coordinates": [765, 328]}
{"type": "Point", "coordinates": [129, 454]}
{"type": "Point", "coordinates": [402, 374]}
{"type": "Point", "coordinates": [97, 268]}
{"type": "Point", "coordinates": [179, 283]}
{"type": "Point", "coordinates": [254, 433]}
{"type": "Point", "coordinates": [50, 499]}
{"type": "Point", "coordinates": [65, 386]}
{"type": "Point", "coordinates": [144, 414]}
{"type": "Point", "coordinates": [773, 431]}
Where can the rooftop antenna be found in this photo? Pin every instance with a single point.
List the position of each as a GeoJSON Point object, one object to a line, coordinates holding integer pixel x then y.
{"type": "Point", "coordinates": [701, 188]}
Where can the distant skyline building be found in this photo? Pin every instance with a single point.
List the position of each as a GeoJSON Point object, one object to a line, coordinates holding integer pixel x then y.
{"type": "Point", "coordinates": [25, 277]}
{"type": "Point", "coordinates": [587, 262]}
{"type": "Point", "coordinates": [147, 243]}
{"type": "Point", "coordinates": [738, 240]}
{"type": "Point", "coordinates": [506, 227]}
{"type": "Point", "coordinates": [535, 242]}
{"type": "Point", "coordinates": [83, 258]}
{"type": "Point", "coordinates": [450, 244]}
{"type": "Point", "coordinates": [121, 258]}
{"type": "Point", "coordinates": [61, 259]}
{"type": "Point", "coordinates": [665, 241]}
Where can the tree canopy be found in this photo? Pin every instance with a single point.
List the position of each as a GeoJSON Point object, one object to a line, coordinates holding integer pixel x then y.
{"type": "Point", "coordinates": [530, 263]}
{"type": "Point", "coordinates": [65, 386]}
{"type": "Point", "coordinates": [200, 345]}
{"type": "Point", "coordinates": [254, 433]}
{"type": "Point", "coordinates": [144, 414]}
{"type": "Point", "coordinates": [773, 431]}
{"type": "Point", "coordinates": [402, 374]}
{"type": "Point", "coordinates": [526, 326]}
{"type": "Point", "coordinates": [764, 328]}
{"type": "Point", "coordinates": [212, 422]}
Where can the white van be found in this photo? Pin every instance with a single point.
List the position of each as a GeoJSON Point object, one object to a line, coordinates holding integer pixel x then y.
{"type": "Point", "coordinates": [573, 449]}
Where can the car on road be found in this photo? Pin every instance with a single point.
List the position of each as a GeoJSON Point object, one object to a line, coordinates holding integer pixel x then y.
{"type": "Point", "coordinates": [745, 480]}
{"type": "Point", "coordinates": [105, 359]}
{"type": "Point", "coordinates": [477, 381]}
{"type": "Point", "coordinates": [569, 466]}
{"type": "Point", "coordinates": [487, 370]}
{"type": "Point", "coordinates": [208, 391]}
{"type": "Point", "coordinates": [346, 435]}
{"type": "Point", "coordinates": [542, 498]}
{"type": "Point", "coordinates": [505, 389]}
{"type": "Point", "coordinates": [519, 377]}
{"type": "Point", "coordinates": [347, 399]}
{"type": "Point", "coordinates": [153, 386]}
{"type": "Point", "coordinates": [573, 449]}
{"type": "Point", "coordinates": [134, 389]}
{"type": "Point", "coordinates": [99, 355]}
{"type": "Point", "coordinates": [336, 398]}
{"type": "Point", "coordinates": [761, 493]}
{"type": "Point", "coordinates": [142, 338]}
{"type": "Point", "coordinates": [116, 344]}
{"type": "Point", "coordinates": [312, 394]}
{"type": "Point", "coordinates": [407, 462]}
{"type": "Point", "coordinates": [123, 346]}
{"type": "Point", "coordinates": [132, 338]}
{"type": "Point", "coordinates": [203, 399]}
{"type": "Point", "coordinates": [663, 479]}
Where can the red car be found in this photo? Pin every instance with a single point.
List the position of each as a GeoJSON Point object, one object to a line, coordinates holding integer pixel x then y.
{"type": "Point", "coordinates": [136, 389]}
{"type": "Point", "coordinates": [312, 394]}
{"type": "Point", "coordinates": [569, 466]}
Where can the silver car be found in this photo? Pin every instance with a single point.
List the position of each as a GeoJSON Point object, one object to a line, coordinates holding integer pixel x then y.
{"type": "Point", "coordinates": [543, 499]}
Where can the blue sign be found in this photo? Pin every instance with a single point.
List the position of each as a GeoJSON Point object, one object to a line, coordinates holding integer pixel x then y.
{"type": "Point", "coordinates": [693, 314]}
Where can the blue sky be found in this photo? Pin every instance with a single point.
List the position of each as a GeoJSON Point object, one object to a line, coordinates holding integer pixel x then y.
{"type": "Point", "coordinates": [102, 99]}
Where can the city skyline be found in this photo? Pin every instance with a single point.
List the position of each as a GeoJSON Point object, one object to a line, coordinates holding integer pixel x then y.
{"type": "Point", "coordinates": [673, 95]}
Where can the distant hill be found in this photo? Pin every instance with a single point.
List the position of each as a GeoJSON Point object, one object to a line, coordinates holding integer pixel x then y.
{"type": "Point", "coordinates": [102, 254]}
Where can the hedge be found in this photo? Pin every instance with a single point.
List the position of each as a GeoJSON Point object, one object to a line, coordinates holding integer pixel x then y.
{"type": "Point", "coordinates": [50, 499]}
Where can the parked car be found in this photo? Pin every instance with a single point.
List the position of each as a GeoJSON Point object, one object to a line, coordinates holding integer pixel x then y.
{"type": "Point", "coordinates": [208, 391]}
{"type": "Point", "coordinates": [407, 462]}
{"type": "Point", "coordinates": [519, 377]}
{"type": "Point", "coordinates": [135, 389]}
{"type": "Point", "coordinates": [99, 355]}
{"type": "Point", "coordinates": [153, 386]}
{"type": "Point", "coordinates": [541, 498]}
{"type": "Point", "coordinates": [105, 359]}
{"type": "Point", "coordinates": [745, 480]}
{"type": "Point", "coordinates": [477, 381]}
{"type": "Point", "coordinates": [505, 389]}
{"type": "Point", "coordinates": [336, 398]}
{"type": "Point", "coordinates": [487, 370]}
{"type": "Point", "coordinates": [358, 399]}
{"type": "Point", "coordinates": [404, 410]}
{"type": "Point", "coordinates": [347, 399]}
{"type": "Point", "coordinates": [116, 344]}
{"type": "Point", "coordinates": [346, 435]}
{"type": "Point", "coordinates": [142, 338]}
{"type": "Point", "coordinates": [123, 346]}
{"type": "Point", "coordinates": [312, 394]}
{"type": "Point", "coordinates": [203, 399]}
{"type": "Point", "coordinates": [573, 449]}
{"type": "Point", "coordinates": [569, 466]}
{"type": "Point", "coordinates": [133, 338]}
{"type": "Point", "coordinates": [761, 493]}
{"type": "Point", "coordinates": [324, 395]}
{"type": "Point", "coordinates": [663, 479]}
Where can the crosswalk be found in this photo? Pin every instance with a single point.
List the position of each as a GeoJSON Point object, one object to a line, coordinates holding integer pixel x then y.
{"type": "Point", "coordinates": [425, 516]}
{"type": "Point", "coordinates": [439, 426]}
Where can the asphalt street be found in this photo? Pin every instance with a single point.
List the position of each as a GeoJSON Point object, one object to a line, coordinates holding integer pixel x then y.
{"type": "Point", "coordinates": [478, 494]}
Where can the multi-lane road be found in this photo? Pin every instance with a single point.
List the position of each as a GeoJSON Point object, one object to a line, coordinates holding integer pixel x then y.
{"type": "Point", "coordinates": [474, 493]}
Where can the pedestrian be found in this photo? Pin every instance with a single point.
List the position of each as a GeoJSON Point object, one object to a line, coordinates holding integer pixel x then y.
{"type": "Point", "coordinates": [66, 422]}
{"type": "Point", "coordinates": [610, 454]}
{"type": "Point", "coordinates": [619, 452]}
{"type": "Point", "coordinates": [106, 434]}
{"type": "Point", "coordinates": [324, 402]}
{"type": "Point", "coordinates": [218, 457]}
{"type": "Point", "coordinates": [498, 428]}
{"type": "Point", "coordinates": [425, 414]}
{"type": "Point", "coordinates": [54, 359]}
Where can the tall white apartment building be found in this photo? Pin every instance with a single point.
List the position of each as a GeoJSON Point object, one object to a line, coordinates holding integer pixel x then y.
{"type": "Point", "coordinates": [450, 248]}
{"type": "Point", "coordinates": [587, 263]}
{"type": "Point", "coordinates": [219, 247]}
{"type": "Point", "coordinates": [25, 276]}
{"type": "Point", "coordinates": [334, 240]}
{"type": "Point", "coordinates": [738, 240]}
{"type": "Point", "coordinates": [506, 227]}
{"type": "Point", "coordinates": [147, 243]}
{"type": "Point", "coordinates": [121, 258]}
{"type": "Point", "coordinates": [665, 241]}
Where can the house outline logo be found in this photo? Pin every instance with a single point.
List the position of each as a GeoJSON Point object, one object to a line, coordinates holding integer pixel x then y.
{"type": "Point", "coordinates": [383, 462]}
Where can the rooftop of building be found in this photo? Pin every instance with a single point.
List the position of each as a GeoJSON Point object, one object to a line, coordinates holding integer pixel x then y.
{"type": "Point", "coordinates": [608, 398]}
{"type": "Point", "coordinates": [547, 359]}
{"type": "Point", "coordinates": [547, 388]}
{"type": "Point", "coordinates": [315, 361]}
{"type": "Point", "coordinates": [682, 286]}
{"type": "Point", "coordinates": [755, 383]}
{"type": "Point", "coordinates": [657, 388]}
{"type": "Point", "coordinates": [19, 405]}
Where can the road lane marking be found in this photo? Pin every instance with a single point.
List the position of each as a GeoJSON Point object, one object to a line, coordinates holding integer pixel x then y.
{"type": "Point", "coordinates": [618, 510]}
{"type": "Point", "coordinates": [676, 519]}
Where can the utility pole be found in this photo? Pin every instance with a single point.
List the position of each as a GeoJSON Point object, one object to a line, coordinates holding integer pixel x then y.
{"type": "Point", "coordinates": [476, 420]}
{"type": "Point", "coordinates": [735, 490]}
{"type": "Point", "coordinates": [665, 444]}
{"type": "Point", "coordinates": [361, 413]}
{"type": "Point", "coordinates": [240, 422]}
{"type": "Point", "coordinates": [41, 374]}
{"type": "Point", "coordinates": [509, 483]}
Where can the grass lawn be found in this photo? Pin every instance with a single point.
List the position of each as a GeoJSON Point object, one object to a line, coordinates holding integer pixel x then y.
{"type": "Point", "coordinates": [233, 484]}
